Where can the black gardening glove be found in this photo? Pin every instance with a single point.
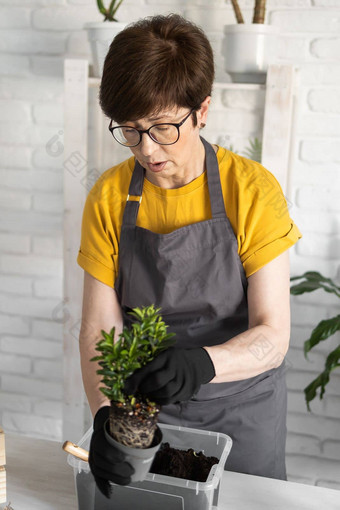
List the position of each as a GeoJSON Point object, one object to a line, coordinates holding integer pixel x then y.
{"type": "Point", "coordinates": [106, 462]}
{"type": "Point", "coordinates": [175, 375]}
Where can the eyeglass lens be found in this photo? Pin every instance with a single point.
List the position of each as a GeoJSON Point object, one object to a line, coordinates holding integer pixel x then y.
{"type": "Point", "coordinates": [161, 133]}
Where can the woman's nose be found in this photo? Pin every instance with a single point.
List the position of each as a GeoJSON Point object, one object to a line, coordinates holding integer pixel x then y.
{"type": "Point", "coordinates": [147, 146]}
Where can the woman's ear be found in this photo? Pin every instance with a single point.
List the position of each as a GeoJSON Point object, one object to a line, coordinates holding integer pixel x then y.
{"type": "Point", "coordinates": [202, 113]}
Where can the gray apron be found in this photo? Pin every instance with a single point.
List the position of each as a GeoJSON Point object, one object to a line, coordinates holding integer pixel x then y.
{"type": "Point", "coordinates": [195, 275]}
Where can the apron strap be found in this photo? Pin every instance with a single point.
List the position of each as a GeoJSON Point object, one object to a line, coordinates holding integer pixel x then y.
{"type": "Point", "coordinates": [214, 182]}
{"type": "Point", "coordinates": [134, 197]}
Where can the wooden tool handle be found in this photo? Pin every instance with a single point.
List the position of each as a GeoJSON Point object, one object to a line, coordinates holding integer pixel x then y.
{"type": "Point", "coordinates": [75, 450]}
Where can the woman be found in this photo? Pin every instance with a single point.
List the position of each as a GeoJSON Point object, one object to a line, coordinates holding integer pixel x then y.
{"type": "Point", "coordinates": [196, 230]}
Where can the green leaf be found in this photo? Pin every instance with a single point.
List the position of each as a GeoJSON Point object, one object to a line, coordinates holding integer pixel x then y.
{"type": "Point", "coordinates": [105, 372]}
{"type": "Point", "coordinates": [332, 362]}
{"type": "Point", "coordinates": [133, 349]}
{"type": "Point", "coordinates": [107, 337]}
{"type": "Point", "coordinates": [305, 286]}
{"type": "Point", "coordinates": [114, 9]}
{"type": "Point", "coordinates": [311, 390]}
{"type": "Point", "coordinates": [322, 331]}
{"type": "Point", "coordinates": [109, 13]}
{"type": "Point", "coordinates": [254, 150]}
{"type": "Point", "coordinates": [312, 280]}
{"type": "Point", "coordinates": [313, 276]}
{"type": "Point", "coordinates": [101, 7]}
{"type": "Point", "coordinates": [333, 359]}
{"type": "Point", "coordinates": [96, 358]}
{"type": "Point", "coordinates": [167, 343]}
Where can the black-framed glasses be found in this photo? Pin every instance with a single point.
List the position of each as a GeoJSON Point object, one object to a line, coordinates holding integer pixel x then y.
{"type": "Point", "coordinates": [165, 133]}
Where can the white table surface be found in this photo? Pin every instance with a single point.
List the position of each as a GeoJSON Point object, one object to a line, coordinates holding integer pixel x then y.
{"type": "Point", "coordinates": [247, 492]}
{"type": "Point", "coordinates": [38, 478]}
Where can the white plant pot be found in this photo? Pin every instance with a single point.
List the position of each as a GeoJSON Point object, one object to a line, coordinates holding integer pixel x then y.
{"type": "Point", "coordinates": [215, 39]}
{"type": "Point", "coordinates": [100, 36]}
{"type": "Point", "coordinates": [248, 49]}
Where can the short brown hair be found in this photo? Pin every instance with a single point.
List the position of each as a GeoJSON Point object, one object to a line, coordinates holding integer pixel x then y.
{"type": "Point", "coordinates": [156, 63]}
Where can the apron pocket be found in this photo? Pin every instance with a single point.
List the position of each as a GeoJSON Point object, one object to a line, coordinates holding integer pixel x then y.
{"type": "Point", "coordinates": [255, 420]}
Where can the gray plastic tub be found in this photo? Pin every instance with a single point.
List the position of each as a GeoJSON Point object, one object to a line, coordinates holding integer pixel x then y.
{"type": "Point", "coordinates": [158, 492]}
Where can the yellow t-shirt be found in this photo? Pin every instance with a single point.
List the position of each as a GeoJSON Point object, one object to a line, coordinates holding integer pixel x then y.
{"type": "Point", "coordinates": [254, 202]}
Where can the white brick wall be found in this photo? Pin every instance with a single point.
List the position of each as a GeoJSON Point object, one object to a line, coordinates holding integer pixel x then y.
{"type": "Point", "coordinates": [15, 17]}
{"type": "Point", "coordinates": [313, 438]}
{"type": "Point", "coordinates": [35, 38]}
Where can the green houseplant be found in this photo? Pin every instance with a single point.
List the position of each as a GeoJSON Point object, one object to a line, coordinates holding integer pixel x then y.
{"type": "Point", "coordinates": [309, 282]}
{"type": "Point", "coordinates": [253, 151]}
{"type": "Point", "coordinates": [100, 35]}
{"type": "Point", "coordinates": [248, 48]}
{"type": "Point", "coordinates": [110, 11]}
{"type": "Point", "coordinates": [133, 418]}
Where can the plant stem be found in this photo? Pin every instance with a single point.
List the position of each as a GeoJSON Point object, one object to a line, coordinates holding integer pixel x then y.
{"type": "Point", "coordinates": [259, 11]}
{"type": "Point", "coordinates": [114, 9]}
{"type": "Point", "coordinates": [237, 11]}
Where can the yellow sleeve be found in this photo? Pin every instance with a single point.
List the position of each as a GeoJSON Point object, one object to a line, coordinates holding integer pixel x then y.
{"type": "Point", "coordinates": [98, 253]}
{"type": "Point", "coordinates": [270, 251]}
{"type": "Point", "coordinates": [262, 222]}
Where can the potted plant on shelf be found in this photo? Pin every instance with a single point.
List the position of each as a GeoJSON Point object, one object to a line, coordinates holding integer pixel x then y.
{"type": "Point", "coordinates": [100, 35]}
{"type": "Point", "coordinates": [132, 425]}
{"type": "Point", "coordinates": [310, 282]}
{"type": "Point", "coordinates": [248, 48]}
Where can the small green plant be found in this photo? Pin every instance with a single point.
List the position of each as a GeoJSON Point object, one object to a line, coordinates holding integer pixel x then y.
{"type": "Point", "coordinates": [109, 12]}
{"type": "Point", "coordinates": [311, 281]}
{"type": "Point", "coordinates": [135, 347]}
{"type": "Point", "coordinates": [254, 150]}
{"type": "Point", "coordinates": [231, 148]}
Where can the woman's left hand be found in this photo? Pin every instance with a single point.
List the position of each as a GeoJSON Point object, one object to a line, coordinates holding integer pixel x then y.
{"type": "Point", "coordinates": [175, 375]}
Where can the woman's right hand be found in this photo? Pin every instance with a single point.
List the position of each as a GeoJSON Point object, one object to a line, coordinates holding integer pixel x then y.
{"type": "Point", "coordinates": [106, 462]}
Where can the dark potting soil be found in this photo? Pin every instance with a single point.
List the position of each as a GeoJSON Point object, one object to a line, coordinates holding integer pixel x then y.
{"type": "Point", "coordinates": [186, 464]}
